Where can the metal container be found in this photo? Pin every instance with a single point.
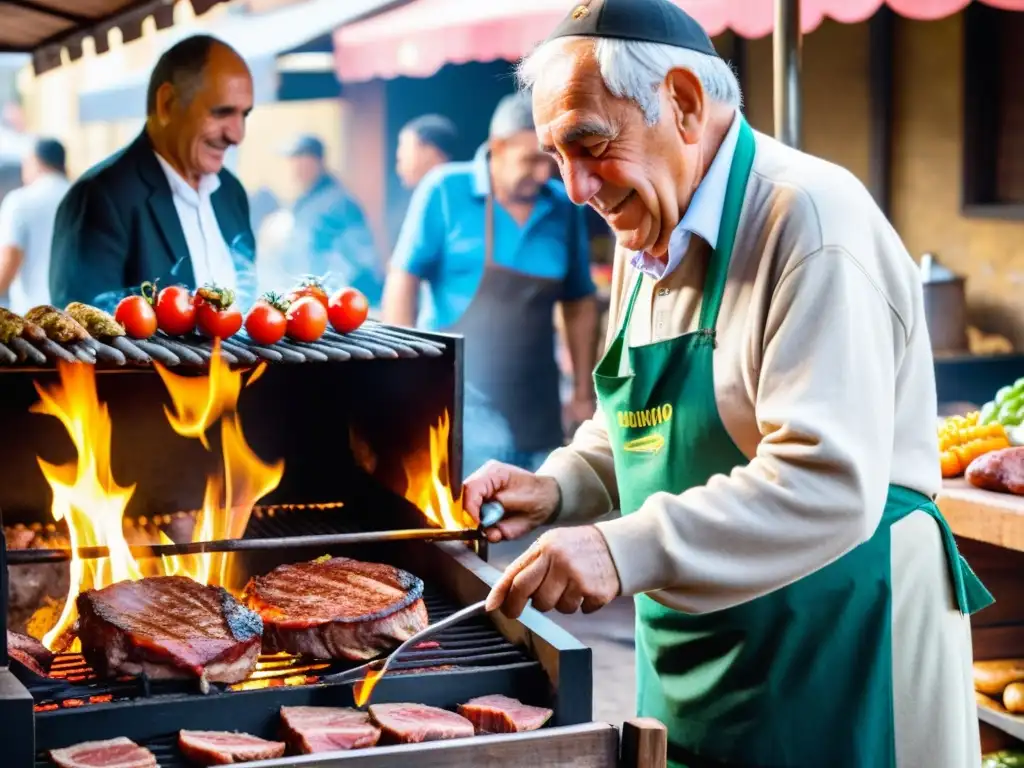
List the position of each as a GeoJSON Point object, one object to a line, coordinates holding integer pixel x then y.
{"type": "Point", "coordinates": [945, 307]}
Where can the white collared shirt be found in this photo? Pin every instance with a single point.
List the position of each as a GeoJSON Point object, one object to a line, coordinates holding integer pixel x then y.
{"type": "Point", "coordinates": [211, 259]}
{"type": "Point", "coordinates": [704, 214]}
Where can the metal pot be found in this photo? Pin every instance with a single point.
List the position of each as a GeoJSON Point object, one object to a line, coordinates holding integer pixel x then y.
{"type": "Point", "coordinates": [945, 307]}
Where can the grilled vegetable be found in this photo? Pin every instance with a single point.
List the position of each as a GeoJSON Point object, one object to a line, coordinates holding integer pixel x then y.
{"type": "Point", "coordinates": [962, 439]}
{"type": "Point", "coordinates": [216, 313]}
{"type": "Point", "coordinates": [137, 315]}
{"type": "Point", "coordinates": [175, 312]}
{"type": "Point", "coordinates": [347, 310]}
{"type": "Point", "coordinates": [266, 323]}
{"type": "Point", "coordinates": [307, 319]}
{"type": "Point", "coordinates": [58, 326]}
{"type": "Point", "coordinates": [98, 323]}
{"type": "Point", "coordinates": [11, 326]}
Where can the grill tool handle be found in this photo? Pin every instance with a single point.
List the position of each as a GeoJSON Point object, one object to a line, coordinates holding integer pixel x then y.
{"type": "Point", "coordinates": [491, 513]}
{"type": "Point", "coordinates": [358, 673]}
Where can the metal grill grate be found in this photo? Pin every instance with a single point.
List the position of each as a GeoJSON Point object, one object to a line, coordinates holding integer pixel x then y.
{"type": "Point", "coordinates": [372, 341]}
{"type": "Point", "coordinates": [473, 644]}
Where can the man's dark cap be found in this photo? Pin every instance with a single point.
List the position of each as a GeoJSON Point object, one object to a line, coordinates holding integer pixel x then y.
{"type": "Point", "coordinates": [50, 153]}
{"type": "Point", "coordinates": [647, 21]}
{"type": "Point", "coordinates": [306, 145]}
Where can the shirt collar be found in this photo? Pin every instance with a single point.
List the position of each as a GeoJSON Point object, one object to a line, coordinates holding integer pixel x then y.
{"type": "Point", "coordinates": [208, 184]}
{"type": "Point", "coordinates": [703, 216]}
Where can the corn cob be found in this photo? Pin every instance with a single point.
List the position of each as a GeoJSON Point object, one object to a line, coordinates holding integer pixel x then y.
{"type": "Point", "coordinates": [962, 439]}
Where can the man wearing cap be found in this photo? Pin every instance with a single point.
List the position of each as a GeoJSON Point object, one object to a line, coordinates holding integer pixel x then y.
{"type": "Point", "coordinates": [26, 226]}
{"type": "Point", "coordinates": [500, 246]}
{"type": "Point", "coordinates": [165, 208]}
{"type": "Point", "coordinates": [330, 236]}
{"type": "Point", "coordinates": [766, 426]}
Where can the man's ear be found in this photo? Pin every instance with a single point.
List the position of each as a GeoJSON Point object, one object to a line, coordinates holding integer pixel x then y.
{"type": "Point", "coordinates": [165, 101]}
{"type": "Point", "coordinates": [686, 95]}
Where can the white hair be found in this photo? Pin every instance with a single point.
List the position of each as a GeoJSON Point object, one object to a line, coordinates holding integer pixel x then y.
{"type": "Point", "coordinates": [635, 70]}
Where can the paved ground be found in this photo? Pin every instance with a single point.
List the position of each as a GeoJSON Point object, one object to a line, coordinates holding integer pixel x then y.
{"type": "Point", "coordinates": [609, 632]}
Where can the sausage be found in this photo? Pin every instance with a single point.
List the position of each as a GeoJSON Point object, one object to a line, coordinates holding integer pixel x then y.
{"type": "Point", "coordinates": [26, 352]}
{"type": "Point", "coordinates": [992, 677]}
{"type": "Point", "coordinates": [1001, 471]}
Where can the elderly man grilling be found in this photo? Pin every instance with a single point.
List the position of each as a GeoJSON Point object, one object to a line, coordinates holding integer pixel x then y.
{"type": "Point", "coordinates": [765, 426]}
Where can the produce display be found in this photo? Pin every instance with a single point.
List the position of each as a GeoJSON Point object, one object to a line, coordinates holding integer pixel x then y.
{"type": "Point", "coordinates": [962, 439]}
{"type": "Point", "coordinates": [1007, 758]}
{"type": "Point", "coordinates": [1007, 407]}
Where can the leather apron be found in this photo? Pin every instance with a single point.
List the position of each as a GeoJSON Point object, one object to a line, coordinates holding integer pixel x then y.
{"type": "Point", "coordinates": [509, 343]}
{"type": "Point", "coordinates": [800, 677]}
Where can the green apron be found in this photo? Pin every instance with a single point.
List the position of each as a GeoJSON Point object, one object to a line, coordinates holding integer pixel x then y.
{"type": "Point", "coordinates": [801, 676]}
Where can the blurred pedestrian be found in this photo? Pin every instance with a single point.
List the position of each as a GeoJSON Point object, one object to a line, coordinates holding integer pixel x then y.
{"type": "Point", "coordinates": [330, 235]}
{"type": "Point", "coordinates": [423, 144]}
{"type": "Point", "coordinates": [500, 245]}
{"type": "Point", "coordinates": [165, 207]}
{"type": "Point", "coordinates": [26, 226]}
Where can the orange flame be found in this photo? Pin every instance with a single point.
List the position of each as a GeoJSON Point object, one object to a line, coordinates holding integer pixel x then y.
{"type": "Point", "coordinates": [85, 494]}
{"type": "Point", "coordinates": [364, 687]}
{"type": "Point", "coordinates": [90, 502]}
{"type": "Point", "coordinates": [428, 482]}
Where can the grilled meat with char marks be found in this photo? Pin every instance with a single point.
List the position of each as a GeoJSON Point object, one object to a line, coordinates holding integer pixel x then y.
{"type": "Point", "coordinates": [416, 723]}
{"type": "Point", "coordinates": [168, 627]}
{"type": "Point", "coordinates": [96, 322]}
{"type": "Point", "coordinates": [30, 652]}
{"type": "Point", "coordinates": [58, 326]}
{"type": "Point", "coordinates": [502, 714]}
{"type": "Point", "coordinates": [310, 730]}
{"type": "Point", "coordinates": [337, 609]}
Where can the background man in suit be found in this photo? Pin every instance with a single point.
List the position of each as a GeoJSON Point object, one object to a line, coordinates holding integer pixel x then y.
{"type": "Point", "coordinates": [165, 208]}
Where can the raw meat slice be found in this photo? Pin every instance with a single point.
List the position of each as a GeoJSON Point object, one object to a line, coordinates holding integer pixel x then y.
{"type": "Point", "coordinates": [414, 723]}
{"type": "Point", "coordinates": [327, 729]}
{"type": "Point", "coordinates": [112, 753]}
{"type": "Point", "coordinates": [224, 748]}
{"type": "Point", "coordinates": [30, 652]}
{"type": "Point", "coordinates": [503, 714]}
{"type": "Point", "coordinates": [337, 609]}
{"type": "Point", "coordinates": [168, 627]}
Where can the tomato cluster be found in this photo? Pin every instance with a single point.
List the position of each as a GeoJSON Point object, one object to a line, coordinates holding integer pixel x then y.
{"type": "Point", "coordinates": [302, 316]}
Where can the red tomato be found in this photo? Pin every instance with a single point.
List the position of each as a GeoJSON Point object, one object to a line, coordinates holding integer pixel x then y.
{"type": "Point", "coordinates": [307, 319]}
{"type": "Point", "coordinates": [175, 312]}
{"type": "Point", "coordinates": [266, 323]}
{"type": "Point", "coordinates": [218, 323]}
{"type": "Point", "coordinates": [311, 286]}
{"type": "Point", "coordinates": [137, 316]}
{"type": "Point", "coordinates": [347, 310]}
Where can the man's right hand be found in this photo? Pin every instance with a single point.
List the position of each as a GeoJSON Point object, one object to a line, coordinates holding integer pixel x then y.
{"type": "Point", "coordinates": [529, 500]}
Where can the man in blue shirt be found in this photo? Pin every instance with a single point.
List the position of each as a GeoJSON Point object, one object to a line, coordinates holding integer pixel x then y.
{"type": "Point", "coordinates": [500, 245]}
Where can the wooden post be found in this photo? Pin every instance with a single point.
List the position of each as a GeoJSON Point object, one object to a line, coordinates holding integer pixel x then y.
{"type": "Point", "coordinates": [644, 744]}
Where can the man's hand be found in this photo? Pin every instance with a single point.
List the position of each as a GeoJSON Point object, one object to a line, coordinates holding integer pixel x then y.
{"type": "Point", "coordinates": [529, 500]}
{"type": "Point", "coordinates": [565, 569]}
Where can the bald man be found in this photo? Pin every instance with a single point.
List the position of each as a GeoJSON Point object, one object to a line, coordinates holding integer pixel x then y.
{"type": "Point", "coordinates": [165, 207]}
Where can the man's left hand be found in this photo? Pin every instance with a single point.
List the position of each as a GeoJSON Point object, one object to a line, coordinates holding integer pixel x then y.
{"type": "Point", "coordinates": [567, 569]}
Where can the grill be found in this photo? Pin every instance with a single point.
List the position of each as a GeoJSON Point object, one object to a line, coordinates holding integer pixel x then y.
{"type": "Point", "coordinates": [343, 432]}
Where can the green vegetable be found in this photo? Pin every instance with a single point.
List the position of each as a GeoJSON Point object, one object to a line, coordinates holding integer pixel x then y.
{"type": "Point", "coordinates": [1007, 758]}
{"type": "Point", "coordinates": [988, 413]}
{"type": "Point", "coordinates": [1002, 394]}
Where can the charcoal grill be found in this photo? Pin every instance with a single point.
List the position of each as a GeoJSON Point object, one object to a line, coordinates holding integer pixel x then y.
{"type": "Point", "coordinates": [388, 395]}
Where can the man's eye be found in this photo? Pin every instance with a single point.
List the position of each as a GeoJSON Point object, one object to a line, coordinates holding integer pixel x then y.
{"type": "Point", "coordinates": [598, 149]}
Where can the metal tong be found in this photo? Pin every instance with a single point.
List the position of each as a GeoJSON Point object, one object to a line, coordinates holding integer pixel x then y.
{"type": "Point", "coordinates": [358, 673]}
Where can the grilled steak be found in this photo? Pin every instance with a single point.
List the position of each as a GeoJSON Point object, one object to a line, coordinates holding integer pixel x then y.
{"type": "Point", "coordinates": [30, 652]}
{"type": "Point", "coordinates": [413, 723]}
{"type": "Point", "coordinates": [337, 608]}
{"type": "Point", "coordinates": [168, 627]}
{"type": "Point", "coordinates": [327, 729]}
{"type": "Point", "coordinates": [223, 748]}
{"type": "Point", "coordinates": [112, 753]}
{"type": "Point", "coordinates": [502, 714]}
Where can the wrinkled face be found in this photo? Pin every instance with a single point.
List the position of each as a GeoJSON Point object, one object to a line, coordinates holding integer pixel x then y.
{"type": "Point", "coordinates": [638, 177]}
{"type": "Point", "coordinates": [306, 169]}
{"type": "Point", "coordinates": [518, 167]}
{"type": "Point", "coordinates": [415, 158]}
{"type": "Point", "coordinates": [213, 119]}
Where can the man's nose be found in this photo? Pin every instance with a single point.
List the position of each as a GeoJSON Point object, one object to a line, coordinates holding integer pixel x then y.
{"type": "Point", "coordinates": [580, 183]}
{"type": "Point", "coordinates": [235, 130]}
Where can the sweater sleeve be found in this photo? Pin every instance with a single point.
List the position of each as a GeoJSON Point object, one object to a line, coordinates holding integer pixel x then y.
{"type": "Point", "coordinates": [817, 484]}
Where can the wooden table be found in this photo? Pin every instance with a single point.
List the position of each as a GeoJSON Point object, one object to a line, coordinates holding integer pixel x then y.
{"type": "Point", "coordinates": [989, 528]}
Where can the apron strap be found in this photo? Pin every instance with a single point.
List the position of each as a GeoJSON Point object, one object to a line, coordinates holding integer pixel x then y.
{"type": "Point", "coordinates": [718, 268]}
